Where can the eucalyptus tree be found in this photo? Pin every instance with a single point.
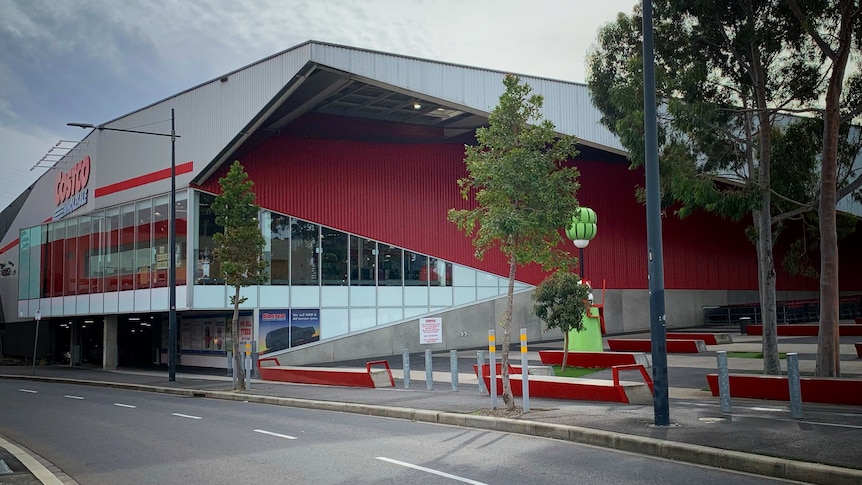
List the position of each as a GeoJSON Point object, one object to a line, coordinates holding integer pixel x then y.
{"type": "Point", "coordinates": [727, 76]}
{"type": "Point", "coordinates": [836, 31]}
{"type": "Point", "coordinates": [522, 190]}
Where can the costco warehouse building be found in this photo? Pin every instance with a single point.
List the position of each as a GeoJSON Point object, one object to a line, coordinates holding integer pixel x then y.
{"type": "Point", "coordinates": [355, 156]}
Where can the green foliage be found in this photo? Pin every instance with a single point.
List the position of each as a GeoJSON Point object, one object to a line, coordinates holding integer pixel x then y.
{"type": "Point", "coordinates": [523, 192]}
{"type": "Point", "coordinates": [239, 248]}
{"type": "Point", "coordinates": [561, 301]}
{"type": "Point", "coordinates": [707, 60]}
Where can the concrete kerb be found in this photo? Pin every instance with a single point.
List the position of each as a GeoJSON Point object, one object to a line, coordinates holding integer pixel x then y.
{"type": "Point", "coordinates": [701, 455]}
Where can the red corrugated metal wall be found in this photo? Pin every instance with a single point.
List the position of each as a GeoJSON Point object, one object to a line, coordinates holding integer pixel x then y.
{"type": "Point", "coordinates": [400, 194]}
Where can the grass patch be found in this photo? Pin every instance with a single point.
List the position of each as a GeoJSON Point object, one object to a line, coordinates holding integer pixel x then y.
{"type": "Point", "coordinates": [753, 355]}
{"type": "Point", "coordinates": [574, 371]}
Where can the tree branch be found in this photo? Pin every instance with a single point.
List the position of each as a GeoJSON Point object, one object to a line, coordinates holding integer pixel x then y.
{"type": "Point", "coordinates": [803, 22]}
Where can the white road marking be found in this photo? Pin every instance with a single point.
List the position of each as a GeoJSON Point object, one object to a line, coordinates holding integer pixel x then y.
{"type": "Point", "coordinates": [42, 474]}
{"type": "Point", "coordinates": [31, 391]}
{"type": "Point", "coordinates": [73, 397]}
{"type": "Point", "coordinates": [124, 405]}
{"type": "Point", "coordinates": [186, 416]}
{"type": "Point", "coordinates": [429, 470]}
{"type": "Point", "coordinates": [278, 435]}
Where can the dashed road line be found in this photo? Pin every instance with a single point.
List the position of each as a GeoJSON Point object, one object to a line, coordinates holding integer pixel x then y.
{"type": "Point", "coordinates": [278, 435]}
{"type": "Point", "coordinates": [73, 397]}
{"type": "Point", "coordinates": [430, 470]}
{"type": "Point", "coordinates": [124, 405]}
{"type": "Point", "coordinates": [31, 391]}
{"type": "Point", "coordinates": [186, 416]}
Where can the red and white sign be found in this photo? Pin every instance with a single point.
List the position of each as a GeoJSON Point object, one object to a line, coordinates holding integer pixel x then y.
{"type": "Point", "coordinates": [430, 331]}
{"type": "Point", "coordinates": [246, 329]}
{"type": "Point", "coordinates": [70, 189]}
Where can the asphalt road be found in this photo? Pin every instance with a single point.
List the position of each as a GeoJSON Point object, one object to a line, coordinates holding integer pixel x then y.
{"type": "Point", "coordinates": [108, 436]}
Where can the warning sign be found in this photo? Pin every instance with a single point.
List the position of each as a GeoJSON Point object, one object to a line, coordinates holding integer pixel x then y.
{"type": "Point", "coordinates": [430, 330]}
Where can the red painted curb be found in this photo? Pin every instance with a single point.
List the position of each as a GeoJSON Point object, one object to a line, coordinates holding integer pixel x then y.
{"type": "Point", "coordinates": [596, 360]}
{"type": "Point", "coordinates": [644, 345]}
{"type": "Point", "coordinates": [807, 330]}
{"type": "Point", "coordinates": [775, 388]}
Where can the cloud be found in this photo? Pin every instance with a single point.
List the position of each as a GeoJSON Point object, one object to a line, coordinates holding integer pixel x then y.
{"type": "Point", "coordinates": [96, 60]}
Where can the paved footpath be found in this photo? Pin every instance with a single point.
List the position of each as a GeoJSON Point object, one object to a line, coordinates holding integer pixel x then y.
{"type": "Point", "coordinates": [760, 437]}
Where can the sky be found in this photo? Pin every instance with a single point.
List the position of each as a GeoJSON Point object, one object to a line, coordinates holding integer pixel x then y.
{"type": "Point", "coordinates": [95, 60]}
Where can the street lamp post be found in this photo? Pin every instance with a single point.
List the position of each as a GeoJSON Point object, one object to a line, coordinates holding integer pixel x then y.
{"type": "Point", "coordinates": [581, 231]}
{"type": "Point", "coordinates": [172, 238]}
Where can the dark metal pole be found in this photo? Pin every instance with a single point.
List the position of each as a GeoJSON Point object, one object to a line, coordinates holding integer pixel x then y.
{"type": "Point", "coordinates": [654, 242]}
{"type": "Point", "coordinates": [172, 263]}
{"type": "Point", "coordinates": [581, 261]}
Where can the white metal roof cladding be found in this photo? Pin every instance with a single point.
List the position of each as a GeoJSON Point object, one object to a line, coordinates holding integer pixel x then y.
{"type": "Point", "coordinates": [567, 105]}
{"type": "Point", "coordinates": [216, 113]}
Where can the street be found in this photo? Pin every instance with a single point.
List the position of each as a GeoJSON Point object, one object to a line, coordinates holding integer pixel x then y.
{"type": "Point", "coordinates": [106, 436]}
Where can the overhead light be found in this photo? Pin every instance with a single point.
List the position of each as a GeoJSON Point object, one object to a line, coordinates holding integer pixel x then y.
{"type": "Point", "coordinates": [417, 105]}
{"type": "Point", "coordinates": [88, 321]}
{"type": "Point", "coordinates": [134, 319]}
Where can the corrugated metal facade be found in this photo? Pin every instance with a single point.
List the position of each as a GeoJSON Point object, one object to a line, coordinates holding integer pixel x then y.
{"type": "Point", "coordinates": [400, 194]}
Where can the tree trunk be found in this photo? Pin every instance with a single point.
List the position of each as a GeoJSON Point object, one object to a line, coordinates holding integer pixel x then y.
{"type": "Point", "coordinates": [828, 348]}
{"type": "Point", "coordinates": [506, 325]}
{"type": "Point", "coordinates": [565, 351]}
{"type": "Point", "coordinates": [237, 351]}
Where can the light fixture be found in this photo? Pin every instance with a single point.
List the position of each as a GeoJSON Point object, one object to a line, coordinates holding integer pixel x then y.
{"type": "Point", "coordinates": [417, 105]}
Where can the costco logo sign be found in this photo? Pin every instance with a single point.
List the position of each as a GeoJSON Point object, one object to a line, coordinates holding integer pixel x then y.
{"type": "Point", "coordinates": [70, 189]}
{"type": "Point", "coordinates": [273, 317]}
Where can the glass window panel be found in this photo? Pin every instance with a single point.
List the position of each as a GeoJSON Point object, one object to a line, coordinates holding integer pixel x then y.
{"type": "Point", "coordinates": [128, 226]}
{"type": "Point", "coordinates": [96, 256]}
{"type": "Point", "coordinates": [37, 238]}
{"type": "Point", "coordinates": [23, 264]}
{"type": "Point", "coordinates": [47, 261]}
{"type": "Point", "coordinates": [304, 253]}
{"type": "Point", "coordinates": [144, 260]}
{"type": "Point", "coordinates": [181, 239]}
{"type": "Point", "coordinates": [111, 234]}
{"type": "Point", "coordinates": [415, 269]}
{"type": "Point", "coordinates": [161, 235]}
{"type": "Point", "coordinates": [363, 261]}
{"type": "Point", "coordinates": [440, 273]}
{"type": "Point", "coordinates": [85, 283]}
{"type": "Point", "coordinates": [70, 274]}
{"type": "Point", "coordinates": [279, 248]}
{"type": "Point", "coordinates": [207, 271]}
{"type": "Point", "coordinates": [390, 259]}
{"type": "Point", "coordinates": [333, 263]}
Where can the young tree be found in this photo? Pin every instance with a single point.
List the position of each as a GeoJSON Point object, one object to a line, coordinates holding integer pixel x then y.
{"type": "Point", "coordinates": [725, 71]}
{"type": "Point", "coordinates": [835, 32]}
{"type": "Point", "coordinates": [524, 195]}
{"type": "Point", "coordinates": [561, 301]}
{"type": "Point", "coordinates": [239, 248]}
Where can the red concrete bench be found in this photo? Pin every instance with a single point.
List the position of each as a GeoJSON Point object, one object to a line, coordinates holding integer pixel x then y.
{"type": "Point", "coordinates": [691, 346]}
{"type": "Point", "coordinates": [270, 370]}
{"type": "Point", "coordinates": [831, 390]}
{"type": "Point", "coordinates": [858, 319]}
{"type": "Point", "coordinates": [595, 360]}
{"type": "Point", "coordinates": [707, 337]}
{"type": "Point", "coordinates": [807, 330]}
{"type": "Point", "coordinates": [577, 389]}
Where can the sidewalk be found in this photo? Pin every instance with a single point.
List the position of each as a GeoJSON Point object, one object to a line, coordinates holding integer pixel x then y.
{"type": "Point", "coordinates": [757, 436]}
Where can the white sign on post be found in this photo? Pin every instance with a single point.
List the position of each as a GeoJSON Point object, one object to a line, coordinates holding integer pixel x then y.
{"type": "Point", "coordinates": [430, 330]}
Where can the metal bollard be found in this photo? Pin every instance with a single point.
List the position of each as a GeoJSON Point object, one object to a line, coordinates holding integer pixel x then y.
{"type": "Point", "coordinates": [480, 361]}
{"type": "Point", "coordinates": [723, 381]}
{"type": "Point", "coordinates": [795, 386]}
{"type": "Point", "coordinates": [525, 371]}
{"type": "Point", "coordinates": [429, 371]}
{"type": "Point", "coordinates": [492, 351]}
{"type": "Point", "coordinates": [405, 359]}
{"type": "Point", "coordinates": [453, 368]}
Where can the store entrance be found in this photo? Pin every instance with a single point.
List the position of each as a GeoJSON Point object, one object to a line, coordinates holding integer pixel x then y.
{"type": "Point", "coordinates": [136, 341]}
